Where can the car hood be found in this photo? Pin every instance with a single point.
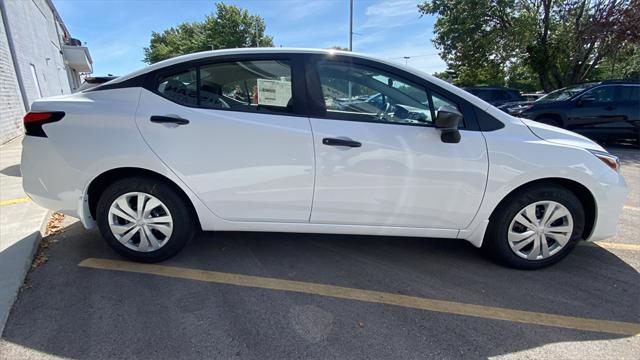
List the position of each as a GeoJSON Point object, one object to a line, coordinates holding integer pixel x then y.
{"type": "Point", "coordinates": [557, 135]}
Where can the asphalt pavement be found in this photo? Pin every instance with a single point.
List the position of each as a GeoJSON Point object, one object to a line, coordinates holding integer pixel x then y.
{"type": "Point", "coordinates": [276, 296]}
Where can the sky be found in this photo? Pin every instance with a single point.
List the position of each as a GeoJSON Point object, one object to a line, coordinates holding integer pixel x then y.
{"type": "Point", "coordinates": [116, 31]}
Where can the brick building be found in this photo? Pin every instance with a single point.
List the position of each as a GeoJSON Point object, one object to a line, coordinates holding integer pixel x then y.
{"type": "Point", "coordinates": [38, 58]}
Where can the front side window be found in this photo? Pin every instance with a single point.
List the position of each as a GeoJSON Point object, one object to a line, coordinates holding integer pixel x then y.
{"type": "Point", "coordinates": [359, 93]}
{"type": "Point", "coordinates": [603, 94]}
{"type": "Point", "coordinates": [440, 101]}
{"type": "Point", "coordinates": [249, 86]}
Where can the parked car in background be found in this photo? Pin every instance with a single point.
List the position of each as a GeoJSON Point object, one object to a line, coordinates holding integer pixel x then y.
{"type": "Point", "coordinates": [517, 107]}
{"type": "Point", "coordinates": [496, 96]}
{"type": "Point", "coordinates": [533, 96]}
{"type": "Point", "coordinates": [603, 111]}
{"type": "Point", "coordinates": [254, 140]}
{"type": "Point", "coordinates": [93, 81]}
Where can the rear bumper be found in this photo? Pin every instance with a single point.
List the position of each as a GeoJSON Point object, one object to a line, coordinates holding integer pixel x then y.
{"type": "Point", "coordinates": [48, 179]}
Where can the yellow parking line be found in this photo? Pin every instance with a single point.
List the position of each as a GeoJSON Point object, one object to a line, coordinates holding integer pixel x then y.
{"type": "Point", "coordinates": [14, 201]}
{"type": "Point", "coordinates": [448, 307]}
{"type": "Point", "coordinates": [612, 246]}
{"type": "Point", "coordinates": [631, 208]}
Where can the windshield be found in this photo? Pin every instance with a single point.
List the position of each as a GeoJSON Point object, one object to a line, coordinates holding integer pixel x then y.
{"type": "Point", "coordinates": [565, 93]}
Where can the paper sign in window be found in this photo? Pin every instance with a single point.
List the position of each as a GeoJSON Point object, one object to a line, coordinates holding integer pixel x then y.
{"type": "Point", "coordinates": [274, 92]}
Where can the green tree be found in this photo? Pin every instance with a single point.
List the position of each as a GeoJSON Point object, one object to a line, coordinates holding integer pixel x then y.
{"type": "Point", "coordinates": [549, 43]}
{"type": "Point", "coordinates": [229, 27]}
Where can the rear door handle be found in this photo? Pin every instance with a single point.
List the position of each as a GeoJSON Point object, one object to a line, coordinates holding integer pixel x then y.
{"type": "Point", "coordinates": [169, 120]}
{"type": "Point", "coordinates": [341, 142]}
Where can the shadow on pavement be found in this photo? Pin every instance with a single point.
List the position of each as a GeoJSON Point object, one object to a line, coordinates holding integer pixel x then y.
{"type": "Point", "coordinates": [13, 170]}
{"type": "Point", "coordinates": [88, 313]}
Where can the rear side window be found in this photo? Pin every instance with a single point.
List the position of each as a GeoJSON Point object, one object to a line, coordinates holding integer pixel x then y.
{"type": "Point", "coordinates": [630, 93]}
{"type": "Point", "coordinates": [180, 87]}
{"type": "Point", "coordinates": [498, 95]}
{"type": "Point", "coordinates": [247, 86]}
{"type": "Point", "coordinates": [263, 86]}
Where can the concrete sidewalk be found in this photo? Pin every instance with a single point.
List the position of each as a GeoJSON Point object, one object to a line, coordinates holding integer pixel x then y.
{"type": "Point", "coordinates": [21, 222]}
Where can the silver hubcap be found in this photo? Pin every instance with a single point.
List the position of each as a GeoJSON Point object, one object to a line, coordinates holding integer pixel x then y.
{"type": "Point", "coordinates": [540, 230]}
{"type": "Point", "coordinates": [140, 221]}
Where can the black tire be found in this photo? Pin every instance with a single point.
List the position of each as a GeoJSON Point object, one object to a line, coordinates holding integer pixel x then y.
{"type": "Point", "coordinates": [550, 121]}
{"type": "Point", "coordinates": [183, 221]}
{"type": "Point", "coordinates": [496, 243]}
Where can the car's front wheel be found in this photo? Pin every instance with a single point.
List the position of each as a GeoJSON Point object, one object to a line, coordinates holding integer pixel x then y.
{"type": "Point", "coordinates": [144, 219]}
{"type": "Point", "coordinates": [535, 227]}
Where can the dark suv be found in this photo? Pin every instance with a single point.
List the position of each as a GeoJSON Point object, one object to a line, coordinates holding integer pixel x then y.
{"type": "Point", "coordinates": [608, 110]}
{"type": "Point", "coordinates": [496, 96]}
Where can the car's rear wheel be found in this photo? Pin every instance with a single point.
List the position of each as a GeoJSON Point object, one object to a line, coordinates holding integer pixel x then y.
{"type": "Point", "coordinates": [144, 219]}
{"type": "Point", "coordinates": [535, 227]}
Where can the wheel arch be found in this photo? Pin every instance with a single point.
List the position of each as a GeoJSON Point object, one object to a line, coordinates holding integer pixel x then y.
{"type": "Point", "coordinates": [582, 193]}
{"type": "Point", "coordinates": [100, 183]}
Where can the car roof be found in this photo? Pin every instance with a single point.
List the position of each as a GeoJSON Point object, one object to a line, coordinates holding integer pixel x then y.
{"type": "Point", "coordinates": [237, 51]}
{"type": "Point", "coordinates": [278, 50]}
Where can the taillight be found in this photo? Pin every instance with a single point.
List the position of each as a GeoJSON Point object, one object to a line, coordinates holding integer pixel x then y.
{"type": "Point", "coordinates": [33, 121]}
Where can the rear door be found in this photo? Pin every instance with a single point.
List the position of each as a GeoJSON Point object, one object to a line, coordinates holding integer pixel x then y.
{"type": "Point", "coordinates": [233, 129]}
{"type": "Point", "coordinates": [386, 165]}
{"type": "Point", "coordinates": [630, 105]}
{"type": "Point", "coordinates": [596, 111]}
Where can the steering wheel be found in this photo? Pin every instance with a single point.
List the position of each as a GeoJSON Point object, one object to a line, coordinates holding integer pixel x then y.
{"type": "Point", "coordinates": [382, 113]}
{"type": "Point", "coordinates": [221, 102]}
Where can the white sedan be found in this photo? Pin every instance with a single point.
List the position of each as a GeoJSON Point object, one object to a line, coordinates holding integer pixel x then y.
{"type": "Point", "coordinates": [285, 140]}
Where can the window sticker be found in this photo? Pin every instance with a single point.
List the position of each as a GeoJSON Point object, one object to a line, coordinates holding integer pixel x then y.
{"type": "Point", "coordinates": [274, 92]}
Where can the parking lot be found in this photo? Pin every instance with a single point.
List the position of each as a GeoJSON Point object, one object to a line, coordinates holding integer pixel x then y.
{"type": "Point", "coordinates": [275, 295]}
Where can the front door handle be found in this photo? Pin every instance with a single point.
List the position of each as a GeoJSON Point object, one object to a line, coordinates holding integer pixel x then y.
{"type": "Point", "coordinates": [340, 142]}
{"type": "Point", "coordinates": [169, 120]}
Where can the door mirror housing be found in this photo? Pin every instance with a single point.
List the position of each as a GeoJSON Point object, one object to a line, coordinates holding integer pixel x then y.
{"type": "Point", "coordinates": [585, 99]}
{"type": "Point", "coordinates": [447, 121]}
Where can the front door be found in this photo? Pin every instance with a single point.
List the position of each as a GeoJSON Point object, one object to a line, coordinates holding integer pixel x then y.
{"type": "Point", "coordinates": [234, 133]}
{"type": "Point", "coordinates": [386, 165]}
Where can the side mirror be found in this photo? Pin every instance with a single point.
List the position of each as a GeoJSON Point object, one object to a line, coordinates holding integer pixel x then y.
{"type": "Point", "coordinates": [585, 99]}
{"type": "Point", "coordinates": [447, 121]}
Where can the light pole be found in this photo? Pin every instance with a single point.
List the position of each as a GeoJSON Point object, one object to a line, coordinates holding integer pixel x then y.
{"type": "Point", "coordinates": [406, 59]}
{"type": "Point", "coordinates": [350, 36]}
{"type": "Point", "coordinates": [350, 25]}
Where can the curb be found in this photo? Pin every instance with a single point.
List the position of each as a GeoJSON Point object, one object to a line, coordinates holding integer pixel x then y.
{"type": "Point", "coordinates": [32, 240]}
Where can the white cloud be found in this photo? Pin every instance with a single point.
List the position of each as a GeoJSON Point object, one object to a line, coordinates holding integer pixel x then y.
{"type": "Point", "coordinates": [392, 8]}
{"type": "Point", "coordinates": [307, 8]}
{"type": "Point", "coordinates": [386, 14]}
